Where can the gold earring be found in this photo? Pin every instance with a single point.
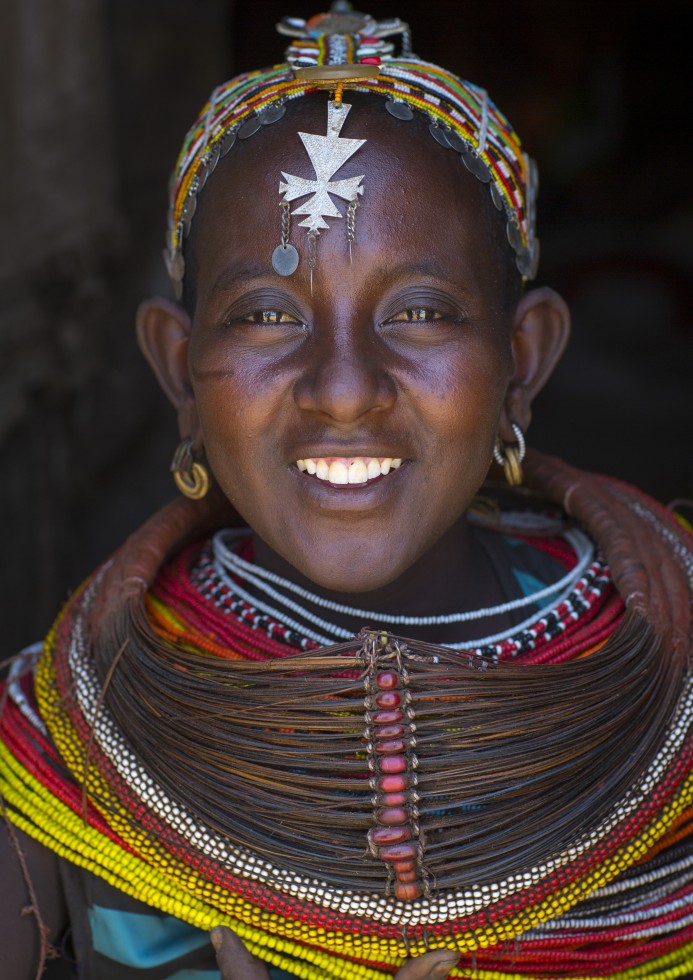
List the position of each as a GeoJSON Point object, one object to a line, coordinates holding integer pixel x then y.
{"type": "Point", "coordinates": [191, 476]}
{"type": "Point", "coordinates": [510, 457]}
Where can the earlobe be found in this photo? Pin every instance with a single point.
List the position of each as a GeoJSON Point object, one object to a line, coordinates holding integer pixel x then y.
{"type": "Point", "coordinates": [163, 332]}
{"type": "Point", "coordinates": [540, 332]}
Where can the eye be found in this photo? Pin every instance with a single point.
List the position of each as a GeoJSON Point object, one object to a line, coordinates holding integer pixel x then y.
{"type": "Point", "coordinates": [416, 314]}
{"type": "Point", "coordinates": [272, 318]}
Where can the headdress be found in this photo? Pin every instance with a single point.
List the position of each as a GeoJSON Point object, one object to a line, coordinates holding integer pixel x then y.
{"type": "Point", "coordinates": [348, 50]}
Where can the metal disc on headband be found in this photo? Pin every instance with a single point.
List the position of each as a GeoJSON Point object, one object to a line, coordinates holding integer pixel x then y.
{"type": "Point", "coordinates": [514, 234]}
{"type": "Point", "coordinates": [523, 261]}
{"type": "Point", "coordinates": [400, 110]}
{"type": "Point", "coordinates": [272, 114]}
{"type": "Point", "coordinates": [496, 196]}
{"type": "Point", "coordinates": [189, 208]}
{"type": "Point", "coordinates": [249, 127]}
{"type": "Point", "coordinates": [214, 155]}
{"type": "Point", "coordinates": [285, 260]}
{"type": "Point", "coordinates": [229, 140]}
{"type": "Point", "coordinates": [476, 166]}
{"type": "Point", "coordinates": [202, 175]}
{"type": "Point", "coordinates": [439, 135]}
{"type": "Point", "coordinates": [456, 142]}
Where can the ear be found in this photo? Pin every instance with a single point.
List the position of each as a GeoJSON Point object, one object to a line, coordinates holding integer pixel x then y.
{"type": "Point", "coordinates": [540, 331]}
{"type": "Point", "coordinates": [163, 334]}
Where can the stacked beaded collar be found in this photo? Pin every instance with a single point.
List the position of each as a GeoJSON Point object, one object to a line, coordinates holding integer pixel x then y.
{"type": "Point", "coordinates": [352, 50]}
{"type": "Point", "coordinates": [482, 756]}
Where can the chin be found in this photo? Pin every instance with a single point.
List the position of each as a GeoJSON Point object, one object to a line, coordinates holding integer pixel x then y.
{"type": "Point", "coordinates": [352, 570]}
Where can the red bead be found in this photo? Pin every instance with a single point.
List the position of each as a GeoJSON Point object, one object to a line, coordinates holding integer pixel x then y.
{"type": "Point", "coordinates": [392, 815]}
{"type": "Point", "coordinates": [398, 852]}
{"type": "Point", "coordinates": [387, 680]}
{"type": "Point", "coordinates": [393, 799]}
{"type": "Point", "coordinates": [383, 836]}
{"type": "Point", "coordinates": [369, 40]}
{"type": "Point", "coordinates": [391, 731]}
{"type": "Point", "coordinates": [370, 60]}
{"type": "Point", "coordinates": [403, 867]}
{"type": "Point", "coordinates": [407, 892]}
{"type": "Point", "coordinates": [393, 784]}
{"type": "Point", "coordinates": [387, 717]}
{"type": "Point", "coordinates": [407, 876]}
{"type": "Point", "coordinates": [388, 699]}
{"type": "Point", "coordinates": [388, 748]}
{"type": "Point", "coordinates": [393, 763]}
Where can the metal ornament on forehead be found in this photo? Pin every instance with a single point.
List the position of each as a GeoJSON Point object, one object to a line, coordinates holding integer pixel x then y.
{"type": "Point", "coordinates": [327, 155]}
{"type": "Point", "coordinates": [340, 50]}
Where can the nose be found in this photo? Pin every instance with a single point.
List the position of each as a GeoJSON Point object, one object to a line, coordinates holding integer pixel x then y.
{"type": "Point", "coordinates": [345, 376]}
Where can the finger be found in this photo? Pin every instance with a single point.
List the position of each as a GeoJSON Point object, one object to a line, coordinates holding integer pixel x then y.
{"type": "Point", "coordinates": [235, 962]}
{"type": "Point", "coordinates": [430, 966]}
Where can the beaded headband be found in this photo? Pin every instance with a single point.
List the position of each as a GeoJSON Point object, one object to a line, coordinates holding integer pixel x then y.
{"type": "Point", "coordinates": [348, 50]}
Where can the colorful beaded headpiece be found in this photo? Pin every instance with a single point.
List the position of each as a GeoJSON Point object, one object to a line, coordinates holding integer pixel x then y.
{"type": "Point", "coordinates": [344, 49]}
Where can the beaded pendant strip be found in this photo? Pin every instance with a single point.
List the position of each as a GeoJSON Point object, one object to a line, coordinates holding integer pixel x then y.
{"type": "Point", "coordinates": [462, 119]}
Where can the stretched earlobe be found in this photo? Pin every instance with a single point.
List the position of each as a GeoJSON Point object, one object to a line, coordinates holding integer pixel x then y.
{"type": "Point", "coordinates": [163, 334]}
{"type": "Point", "coordinates": [540, 332]}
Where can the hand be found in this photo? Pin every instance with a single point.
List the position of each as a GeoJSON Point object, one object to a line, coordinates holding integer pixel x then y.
{"type": "Point", "coordinates": [236, 963]}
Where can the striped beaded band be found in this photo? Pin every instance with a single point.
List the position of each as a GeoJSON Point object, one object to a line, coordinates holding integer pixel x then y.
{"type": "Point", "coordinates": [462, 119]}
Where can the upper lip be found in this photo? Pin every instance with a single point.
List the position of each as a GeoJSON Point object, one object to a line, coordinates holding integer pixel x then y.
{"type": "Point", "coordinates": [348, 452]}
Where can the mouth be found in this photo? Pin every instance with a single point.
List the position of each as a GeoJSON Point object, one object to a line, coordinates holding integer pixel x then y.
{"type": "Point", "coordinates": [348, 470]}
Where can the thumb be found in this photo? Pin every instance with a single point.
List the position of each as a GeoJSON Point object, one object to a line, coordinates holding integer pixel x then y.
{"type": "Point", "coordinates": [430, 966]}
{"type": "Point", "coordinates": [234, 960]}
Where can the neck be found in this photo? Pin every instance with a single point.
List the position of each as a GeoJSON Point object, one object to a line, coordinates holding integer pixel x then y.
{"type": "Point", "coordinates": [455, 575]}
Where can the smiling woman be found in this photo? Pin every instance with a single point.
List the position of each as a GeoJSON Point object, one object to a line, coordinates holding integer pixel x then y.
{"type": "Point", "coordinates": [225, 730]}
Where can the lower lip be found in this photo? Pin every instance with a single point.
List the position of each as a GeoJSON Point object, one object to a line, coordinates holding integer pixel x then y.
{"type": "Point", "coordinates": [351, 495]}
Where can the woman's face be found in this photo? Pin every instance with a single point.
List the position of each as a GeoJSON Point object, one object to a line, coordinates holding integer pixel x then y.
{"type": "Point", "coordinates": [400, 352]}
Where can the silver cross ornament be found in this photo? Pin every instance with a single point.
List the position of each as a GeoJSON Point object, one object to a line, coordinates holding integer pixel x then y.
{"type": "Point", "coordinates": [327, 155]}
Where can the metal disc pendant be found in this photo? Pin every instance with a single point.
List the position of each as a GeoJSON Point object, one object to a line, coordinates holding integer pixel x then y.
{"type": "Point", "coordinates": [177, 267]}
{"type": "Point", "coordinates": [214, 155]}
{"type": "Point", "coordinates": [285, 260]}
{"type": "Point", "coordinates": [272, 114]}
{"type": "Point", "coordinates": [456, 142]}
{"type": "Point", "coordinates": [249, 127]}
{"type": "Point", "coordinates": [189, 208]}
{"type": "Point", "coordinates": [514, 234]}
{"type": "Point", "coordinates": [523, 261]}
{"type": "Point", "coordinates": [496, 196]}
{"type": "Point", "coordinates": [400, 110]}
{"type": "Point", "coordinates": [439, 135]}
{"type": "Point", "coordinates": [229, 140]}
{"type": "Point", "coordinates": [476, 166]}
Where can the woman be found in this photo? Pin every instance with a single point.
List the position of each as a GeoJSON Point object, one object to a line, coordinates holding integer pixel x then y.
{"type": "Point", "coordinates": [194, 749]}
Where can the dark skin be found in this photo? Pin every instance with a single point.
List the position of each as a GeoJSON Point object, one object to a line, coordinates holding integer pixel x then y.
{"type": "Point", "coordinates": [411, 351]}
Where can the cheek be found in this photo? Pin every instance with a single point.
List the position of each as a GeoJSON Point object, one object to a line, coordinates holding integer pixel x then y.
{"type": "Point", "coordinates": [460, 394]}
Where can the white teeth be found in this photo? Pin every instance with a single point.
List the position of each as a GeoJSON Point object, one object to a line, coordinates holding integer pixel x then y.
{"type": "Point", "coordinates": [338, 473]}
{"type": "Point", "coordinates": [373, 469]}
{"type": "Point", "coordinates": [355, 470]}
{"type": "Point", "coordinates": [358, 472]}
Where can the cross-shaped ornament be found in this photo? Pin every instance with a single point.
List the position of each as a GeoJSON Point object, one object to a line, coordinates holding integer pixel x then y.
{"type": "Point", "coordinates": [327, 154]}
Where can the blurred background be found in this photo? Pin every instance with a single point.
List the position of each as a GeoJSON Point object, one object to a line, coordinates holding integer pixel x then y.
{"type": "Point", "coordinates": [95, 97]}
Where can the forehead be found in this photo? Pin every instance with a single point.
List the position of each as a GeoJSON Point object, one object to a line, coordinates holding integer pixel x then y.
{"type": "Point", "coordinates": [420, 206]}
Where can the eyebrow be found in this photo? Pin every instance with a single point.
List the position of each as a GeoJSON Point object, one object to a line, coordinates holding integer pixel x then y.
{"type": "Point", "coordinates": [239, 273]}
{"type": "Point", "coordinates": [423, 269]}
